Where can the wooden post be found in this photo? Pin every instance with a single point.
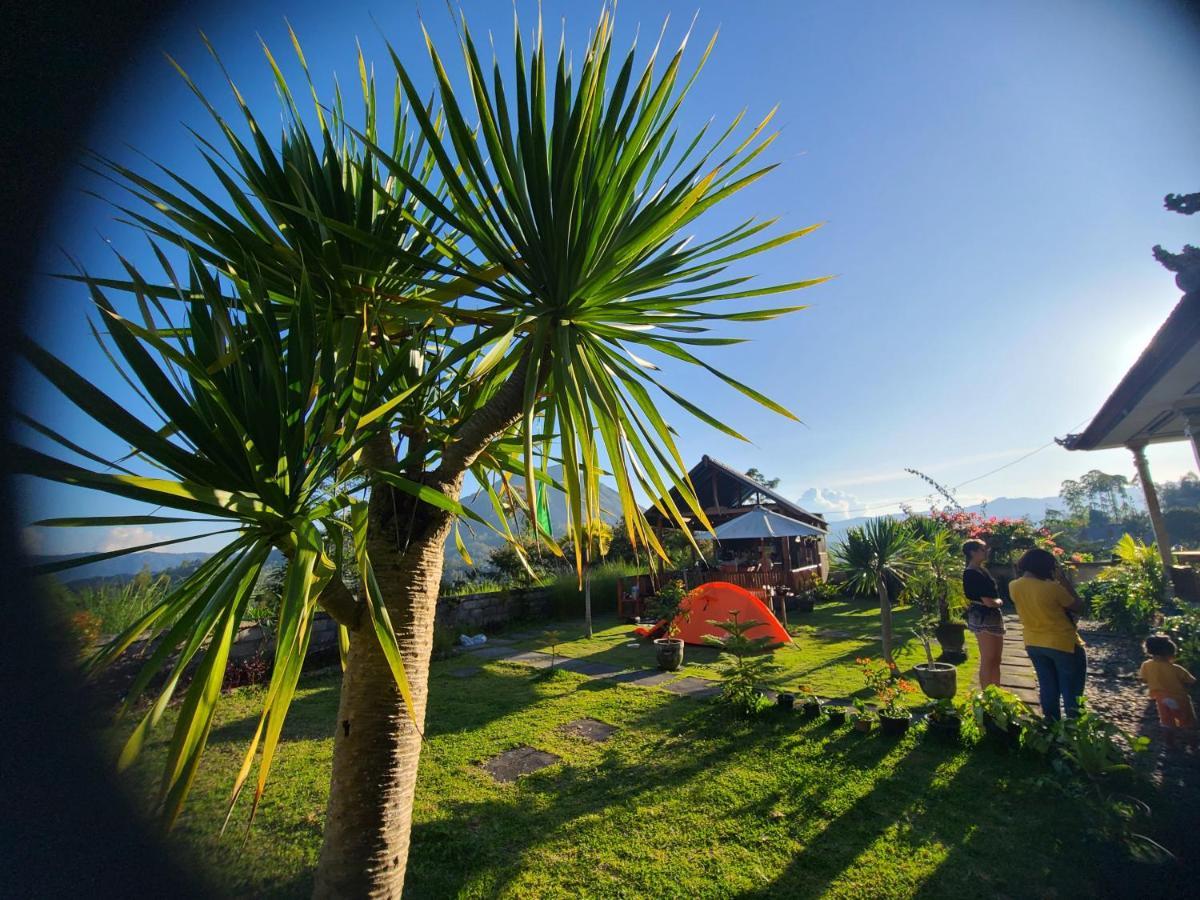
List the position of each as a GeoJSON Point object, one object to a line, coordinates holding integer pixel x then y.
{"type": "Point", "coordinates": [1161, 538]}
{"type": "Point", "coordinates": [1191, 427]}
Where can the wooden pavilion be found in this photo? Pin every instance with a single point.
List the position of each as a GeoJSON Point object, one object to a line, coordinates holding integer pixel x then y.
{"type": "Point", "coordinates": [762, 563]}
{"type": "Point", "coordinates": [1158, 401]}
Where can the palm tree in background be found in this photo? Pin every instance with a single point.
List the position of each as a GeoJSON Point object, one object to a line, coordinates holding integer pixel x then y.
{"type": "Point", "coordinates": [878, 557]}
{"type": "Point", "coordinates": [376, 311]}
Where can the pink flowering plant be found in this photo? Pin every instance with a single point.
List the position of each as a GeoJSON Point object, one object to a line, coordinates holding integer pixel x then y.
{"type": "Point", "coordinates": [1007, 538]}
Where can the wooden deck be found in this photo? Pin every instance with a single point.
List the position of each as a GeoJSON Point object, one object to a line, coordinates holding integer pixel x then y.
{"type": "Point", "coordinates": [1016, 670]}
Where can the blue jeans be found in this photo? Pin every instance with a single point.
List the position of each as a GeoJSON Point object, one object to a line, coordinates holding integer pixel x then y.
{"type": "Point", "coordinates": [1059, 675]}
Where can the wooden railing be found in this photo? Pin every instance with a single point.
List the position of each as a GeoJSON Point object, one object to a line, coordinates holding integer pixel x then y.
{"type": "Point", "coordinates": [759, 583]}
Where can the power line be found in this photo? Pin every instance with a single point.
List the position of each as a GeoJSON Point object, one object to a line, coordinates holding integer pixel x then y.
{"type": "Point", "coordinates": [961, 484]}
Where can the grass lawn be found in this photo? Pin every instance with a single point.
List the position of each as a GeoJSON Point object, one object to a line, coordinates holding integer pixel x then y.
{"type": "Point", "coordinates": [680, 801]}
{"type": "Point", "coordinates": [825, 644]}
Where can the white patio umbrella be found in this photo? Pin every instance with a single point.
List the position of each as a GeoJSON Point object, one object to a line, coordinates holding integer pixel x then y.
{"type": "Point", "coordinates": [762, 524]}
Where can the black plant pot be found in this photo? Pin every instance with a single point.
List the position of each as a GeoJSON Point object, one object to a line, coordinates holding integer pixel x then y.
{"type": "Point", "coordinates": [1009, 738]}
{"type": "Point", "coordinates": [836, 715]}
{"type": "Point", "coordinates": [810, 710]}
{"type": "Point", "coordinates": [952, 638]}
{"type": "Point", "coordinates": [893, 726]}
{"type": "Point", "coordinates": [804, 604]}
{"type": "Point", "coordinates": [945, 729]}
{"type": "Point", "coordinates": [785, 702]}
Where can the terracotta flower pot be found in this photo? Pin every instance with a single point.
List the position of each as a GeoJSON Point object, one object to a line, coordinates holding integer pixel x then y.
{"type": "Point", "coordinates": [669, 653]}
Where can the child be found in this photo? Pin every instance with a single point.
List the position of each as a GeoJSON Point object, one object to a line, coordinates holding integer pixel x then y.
{"type": "Point", "coordinates": [1168, 684]}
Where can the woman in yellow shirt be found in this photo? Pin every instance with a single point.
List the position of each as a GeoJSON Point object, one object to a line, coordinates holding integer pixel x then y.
{"type": "Point", "coordinates": [1046, 601]}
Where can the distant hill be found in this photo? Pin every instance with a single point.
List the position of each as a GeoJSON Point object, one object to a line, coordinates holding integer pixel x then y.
{"type": "Point", "coordinates": [479, 540]}
{"type": "Point", "coordinates": [1032, 508]}
{"type": "Point", "coordinates": [128, 565]}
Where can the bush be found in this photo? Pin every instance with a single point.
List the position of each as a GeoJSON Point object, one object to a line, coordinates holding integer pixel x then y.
{"type": "Point", "coordinates": [1126, 603]}
{"type": "Point", "coordinates": [1184, 629]}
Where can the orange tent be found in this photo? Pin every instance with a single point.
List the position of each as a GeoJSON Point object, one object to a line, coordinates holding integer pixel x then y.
{"type": "Point", "coordinates": [715, 601]}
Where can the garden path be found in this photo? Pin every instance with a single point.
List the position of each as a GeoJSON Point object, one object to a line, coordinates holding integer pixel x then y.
{"type": "Point", "coordinates": [1016, 669]}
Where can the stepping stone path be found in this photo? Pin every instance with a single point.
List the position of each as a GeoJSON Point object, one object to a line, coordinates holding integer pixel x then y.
{"type": "Point", "coordinates": [588, 667]}
{"type": "Point", "coordinates": [590, 730]}
{"type": "Point", "coordinates": [512, 764]}
{"type": "Point", "coordinates": [1016, 670]}
{"type": "Point", "coordinates": [643, 677]}
{"type": "Point", "coordinates": [530, 658]}
{"type": "Point", "coordinates": [487, 651]}
{"type": "Point", "coordinates": [464, 672]}
{"type": "Point", "coordinates": [693, 687]}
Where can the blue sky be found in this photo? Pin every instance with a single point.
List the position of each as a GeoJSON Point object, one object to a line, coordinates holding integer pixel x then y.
{"type": "Point", "coordinates": [990, 177]}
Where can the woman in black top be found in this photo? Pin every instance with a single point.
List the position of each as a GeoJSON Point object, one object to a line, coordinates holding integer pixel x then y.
{"type": "Point", "coordinates": [984, 617]}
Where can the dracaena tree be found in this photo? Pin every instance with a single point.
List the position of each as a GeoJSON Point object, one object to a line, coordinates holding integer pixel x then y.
{"type": "Point", "coordinates": [371, 315]}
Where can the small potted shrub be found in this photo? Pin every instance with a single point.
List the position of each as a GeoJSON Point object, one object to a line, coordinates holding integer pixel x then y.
{"type": "Point", "coordinates": [945, 724]}
{"type": "Point", "coordinates": [881, 678]}
{"type": "Point", "coordinates": [835, 713]}
{"type": "Point", "coordinates": [810, 707]}
{"type": "Point", "coordinates": [864, 719]}
{"type": "Point", "coordinates": [1000, 715]}
{"type": "Point", "coordinates": [804, 602]}
{"type": "Point", "coordinates": [666, 604]}
{"type": "Point", "coordinates": [785, 702]}
{"type": "Point", "coordinates": [939, 680]}
{"type": "Point", "coordinates": [748, 663]}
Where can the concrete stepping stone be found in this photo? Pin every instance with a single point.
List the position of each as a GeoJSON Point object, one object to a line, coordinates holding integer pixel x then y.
{"type": "Point", "coordinates": [512, 764]}
{"type": "Point", "coordinates": [464, 672]}
{"type": "Point", "coordinates": [642, 677]}
{"type": "Point", "coordinates": [590, 730]}
{"type": "Point", "coordinates": [589, 667]}
{"type": "Point", "coordinates": [512, 636]}
{"type": "Point", "coordinates": [532, 659]}
{"type": "Point", "coordinates": [488, 651]}
{"type": "Point", "coordinates": [693, 687]}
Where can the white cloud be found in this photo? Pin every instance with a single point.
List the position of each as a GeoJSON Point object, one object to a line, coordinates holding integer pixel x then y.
{"type": "Point", "coordinates": [831, 503]}
{"type": "Point", "coordinates": [122, 537]}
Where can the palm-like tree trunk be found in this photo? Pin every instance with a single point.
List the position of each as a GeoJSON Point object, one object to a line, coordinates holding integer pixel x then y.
{"type": "Point", "coordinates": [376, 747]}
{"type": "Point", "coordinates": [885, 617]}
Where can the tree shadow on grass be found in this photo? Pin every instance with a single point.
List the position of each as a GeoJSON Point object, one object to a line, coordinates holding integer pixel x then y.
{"type": "Point", "coordinates": [311, 716]}
{"type": "Point", "coordinates": [897, 798]}
{"type": "Point", "coordinates": [486, 841]}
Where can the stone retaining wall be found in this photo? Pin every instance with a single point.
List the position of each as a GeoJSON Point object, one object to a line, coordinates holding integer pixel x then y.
{"type": "Point", "coordinates": [469, 613]}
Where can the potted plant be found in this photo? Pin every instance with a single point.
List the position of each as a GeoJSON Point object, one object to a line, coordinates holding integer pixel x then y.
{"type": "Point", "coordinates": [876, 560]}
{"type": "Point", "coordinates": [835, 713]}
{"type": "Point", "coordinates": [865, 717]}
{"type": "Point", "coordinates": [939, 680]}
{"type": "Point", "coordinates": [810, 708]}
{"type": "Point", "coordinates": [1000, 715]}
{"type": "Point", "coordinates": [785, 702]}
{"type": "Point", "coordinates": [667, 605]}
{"type": "Point", "coordinates": [881, 678]}
{"type": "Point", "coordinates": [748, 663]}
{"type": "Point", "coordinates": [805, 601]}
{"type": "Point", "coordinates": [945, 724]}
{"type": "Point", "coordinates": [934, 586]}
